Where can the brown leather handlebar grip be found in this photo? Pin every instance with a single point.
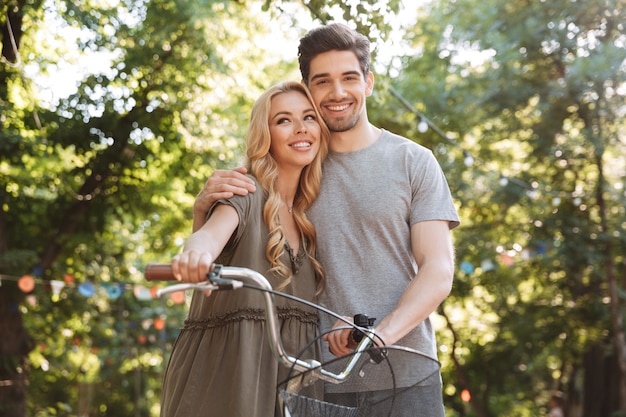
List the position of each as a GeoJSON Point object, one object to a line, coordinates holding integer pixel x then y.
{"type": "Point", "coordinates": [159, 272]}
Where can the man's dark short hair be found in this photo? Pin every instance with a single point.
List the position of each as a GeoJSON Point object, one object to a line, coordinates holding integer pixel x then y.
{"type": "Point", "coordinates": [332, 37]}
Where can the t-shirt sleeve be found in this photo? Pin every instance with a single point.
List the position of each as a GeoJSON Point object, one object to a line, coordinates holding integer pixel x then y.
{"type": "Point", "coordinates": [246, 206]}
{"type": "Point", "coordinates": [431, 198]}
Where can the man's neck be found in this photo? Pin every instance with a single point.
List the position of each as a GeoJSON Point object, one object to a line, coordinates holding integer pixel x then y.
{"type": "Point", "coordinates": [359, 137]}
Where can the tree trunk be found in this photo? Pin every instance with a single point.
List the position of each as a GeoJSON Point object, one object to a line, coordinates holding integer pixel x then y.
{"type": "Point", "coordinates": [601, 396]}
{"type": "Point", "coordinates": [15, 344]}
{"type": "Point", "coordinates": [617, 322]}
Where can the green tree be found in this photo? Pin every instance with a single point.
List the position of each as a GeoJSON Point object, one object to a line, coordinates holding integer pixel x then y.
{"type": "Point", "coordinates": [97, 183]}
{"type": "Point", "coordinates": [524, 104]}
{"type": "Point", "coordinates": [528, 99]}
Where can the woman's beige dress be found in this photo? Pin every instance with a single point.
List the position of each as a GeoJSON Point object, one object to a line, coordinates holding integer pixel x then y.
{"type": "Point", "coordinates": [221, 364]}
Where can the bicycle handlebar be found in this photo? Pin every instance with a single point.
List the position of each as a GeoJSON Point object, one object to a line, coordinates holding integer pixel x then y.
{"type": "Point", "coordinates": [231, 278]}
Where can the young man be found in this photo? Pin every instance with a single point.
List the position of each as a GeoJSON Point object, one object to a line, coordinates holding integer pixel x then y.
{"type": "Point", "coordinates": [383, 215]}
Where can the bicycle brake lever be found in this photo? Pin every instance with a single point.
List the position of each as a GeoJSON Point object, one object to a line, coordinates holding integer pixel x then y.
{"type": "Point", "coordinates": [201, 286]}
{"type": "Point", "coordinates": [226, 284]}
{"type": "Point", "coordinates": [377, 354]}
{"type": "Point", "coordinates": [222, 283]}
{"type": "Point", "coordinates": [214, 282]}
{"type": "Point", "coordinates": [363, 321]}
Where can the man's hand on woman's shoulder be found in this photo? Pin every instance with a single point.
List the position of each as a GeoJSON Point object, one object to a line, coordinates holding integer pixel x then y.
{"type": "Point", "coordinates": [221, 184]}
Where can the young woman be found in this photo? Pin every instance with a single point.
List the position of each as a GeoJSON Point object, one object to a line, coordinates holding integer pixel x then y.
{"type": "Point", "coordinates": [221, 364]}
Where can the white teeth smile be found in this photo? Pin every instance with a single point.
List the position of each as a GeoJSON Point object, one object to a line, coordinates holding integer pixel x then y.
{"type": "Point", "coordinates": [338, 108]}
{"type": "Point", "coordinates": [301, 145]}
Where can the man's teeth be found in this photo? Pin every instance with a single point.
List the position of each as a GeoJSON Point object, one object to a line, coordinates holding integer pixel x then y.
{"type": "Point", "coordinates": [338, 108]}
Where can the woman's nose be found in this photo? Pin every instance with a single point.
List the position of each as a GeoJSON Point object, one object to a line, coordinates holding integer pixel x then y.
{"type": "Point", "coordinates": [300, 126]}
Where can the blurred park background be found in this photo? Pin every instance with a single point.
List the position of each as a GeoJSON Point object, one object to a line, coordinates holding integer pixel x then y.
{"type": "Point", "coordinates": [113, 113]}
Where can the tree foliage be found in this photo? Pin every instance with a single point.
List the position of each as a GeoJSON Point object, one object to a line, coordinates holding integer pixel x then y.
{"type": "Point", "coordinates": [532, 98]}
{"type": "Point", "coordinates": [98, 183]}
{"type": "Point", "coordinates": [525, 107]}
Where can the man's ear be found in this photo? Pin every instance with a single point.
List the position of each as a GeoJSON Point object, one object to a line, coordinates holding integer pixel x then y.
{"type": "Point", "coordinates": [369, 81]}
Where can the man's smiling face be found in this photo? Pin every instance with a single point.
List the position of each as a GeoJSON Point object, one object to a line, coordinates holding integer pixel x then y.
{"type": "Point", "coordinates": [339, 89]}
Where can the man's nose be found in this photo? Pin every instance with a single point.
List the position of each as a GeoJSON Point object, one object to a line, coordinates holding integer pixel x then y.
{"type": "Point", "coordinates": [338, 91]}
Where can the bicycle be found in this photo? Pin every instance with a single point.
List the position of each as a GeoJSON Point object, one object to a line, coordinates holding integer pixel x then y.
{"type": "Point", "coordinates": [374, 364]}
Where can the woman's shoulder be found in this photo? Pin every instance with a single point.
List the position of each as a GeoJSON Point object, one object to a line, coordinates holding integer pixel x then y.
{"type": "Point", "coordinates": [250, 199]}
{"type": "Point", "coordinates": [256, 181]}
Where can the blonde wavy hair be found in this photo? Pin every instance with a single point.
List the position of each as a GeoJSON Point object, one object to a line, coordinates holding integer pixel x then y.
{"type": "Point", "coordinates": [263, 167]}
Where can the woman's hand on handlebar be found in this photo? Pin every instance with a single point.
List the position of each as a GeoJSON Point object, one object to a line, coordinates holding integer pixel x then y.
{"type": "Point", "coordinates": [192, 266]}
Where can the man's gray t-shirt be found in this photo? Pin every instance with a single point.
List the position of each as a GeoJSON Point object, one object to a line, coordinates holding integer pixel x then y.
{"type": "Point", "coordinates": [368, 201]}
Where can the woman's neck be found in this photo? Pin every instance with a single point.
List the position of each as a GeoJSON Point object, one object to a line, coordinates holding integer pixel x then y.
{"type": "Point", "coordinates": [287, 186]}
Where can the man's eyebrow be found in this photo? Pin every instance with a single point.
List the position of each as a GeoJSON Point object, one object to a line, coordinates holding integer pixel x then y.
{"type": "Point", "coordinates": [322, 75]}
{"type": "Point", "coordinates": [326, 74]}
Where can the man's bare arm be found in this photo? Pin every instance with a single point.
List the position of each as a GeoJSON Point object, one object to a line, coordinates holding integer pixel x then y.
{"type": "Point", "coordinates": [221, 184]}
{"type": "Point", "coordinates": [432, 247]}
{"type": "Point", "coordinates": [433, 250]}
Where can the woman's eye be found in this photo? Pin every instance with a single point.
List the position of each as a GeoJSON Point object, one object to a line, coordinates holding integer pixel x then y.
{"type": "Point", "coordinates": [282, 121]}
{"type": "Point", "coordinates": [310, 117]}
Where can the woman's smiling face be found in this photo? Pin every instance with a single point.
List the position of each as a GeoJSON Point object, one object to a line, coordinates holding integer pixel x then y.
{"type": "Point", "coordinates": [294, 129]}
